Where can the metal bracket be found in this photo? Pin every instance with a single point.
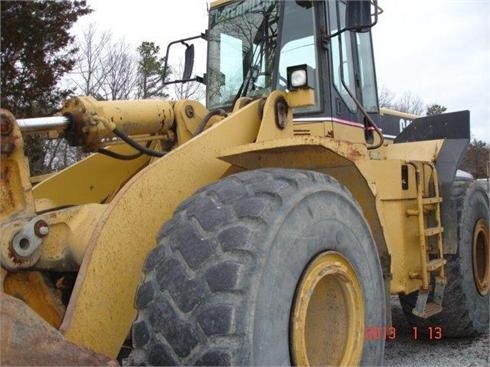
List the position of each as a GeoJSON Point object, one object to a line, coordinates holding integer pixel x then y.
{"type": "Point", "coordinates": [29, 238]}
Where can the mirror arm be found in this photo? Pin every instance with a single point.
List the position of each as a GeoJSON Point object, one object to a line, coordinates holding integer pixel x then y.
{"type": "Point", "coordinates": [203, 35]}
{"type": "Point", "coordinates": [378, 11]}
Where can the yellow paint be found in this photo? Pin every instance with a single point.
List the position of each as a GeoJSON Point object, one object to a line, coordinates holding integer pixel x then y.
{"type": "Point", "coordinates": [218, 3]}
{"type": "Point", "coordinates": [301, 98]}
{"type": "Point", "coordinates": [91, 180]}
{"type": "Point", "coordinates": [328, 314]}
{"type": "Point", "coordinates": [415, 151]}
{"type": "Point", "coordinates": [70, 230]}
{"type": "Point", "coordinates": [101, 309]}
{"type": "Point", "coordinates": [269, 128]}
{"type": "Point", "coordinates": [187, 126]}
{"type": "Point", "coordinates": [15, 187]}
{"type": "Point", "coordinates": [112, 239]}
{"type": "Point", "coordinates": [94, 120]}
{"type": "Point", "coordinates": [403, 115]}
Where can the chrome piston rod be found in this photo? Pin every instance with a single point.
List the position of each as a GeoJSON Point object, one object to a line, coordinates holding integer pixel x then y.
{"type": "Point", "coordinates": [40, 124]}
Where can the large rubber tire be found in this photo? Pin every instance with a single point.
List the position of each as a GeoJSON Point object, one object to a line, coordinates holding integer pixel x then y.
{"type": "Point", "coordinates": [220, 286]}
{"type": "Point", "coordinates": [465, 311]}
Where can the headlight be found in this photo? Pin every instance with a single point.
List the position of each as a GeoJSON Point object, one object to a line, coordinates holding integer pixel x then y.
{"type": "Point", "coordinates": [299, 76]}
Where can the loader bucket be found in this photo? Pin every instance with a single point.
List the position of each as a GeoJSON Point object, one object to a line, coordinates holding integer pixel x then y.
{"type": "Point", "coordinates": [27, 340]}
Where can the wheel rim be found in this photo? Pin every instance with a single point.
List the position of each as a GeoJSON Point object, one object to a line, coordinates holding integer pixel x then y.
{"type": "Point", "coordinates": [328, 315]}
{"type": "Point", "coordinates": [481, 257]}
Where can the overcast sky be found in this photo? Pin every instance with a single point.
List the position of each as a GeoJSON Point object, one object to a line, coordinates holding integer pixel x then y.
{"type": "Point", "coordinates": [438, 50]}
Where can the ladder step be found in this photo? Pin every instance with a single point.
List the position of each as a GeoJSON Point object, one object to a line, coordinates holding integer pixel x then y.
{"type": "Point", "coordinates": [429, 208]}
{"type": "Point", "coordinates": [433, 200]}
{"type": "Point", "coordinates": [433, 231]}
{"type": "Point", "coordinates": [435, 264]}
{"type": "Point", "coordinates": [431, 309]}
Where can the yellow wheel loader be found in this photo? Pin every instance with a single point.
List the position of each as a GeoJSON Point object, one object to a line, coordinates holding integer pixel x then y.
{"type": "Point", "coordinates": [269, 227]}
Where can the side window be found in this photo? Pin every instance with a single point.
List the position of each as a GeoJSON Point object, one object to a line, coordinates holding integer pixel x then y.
{"type": "Point", "coordinates": [231, 64]}
{"type": "Point", "coordinates": [341, 43]}
{"type": "Point", "coordinates": [367, 74]}
{"type": "Point", "coordinates": [298, 45]}
{"type": "Point", "coordinates": [296, 52]}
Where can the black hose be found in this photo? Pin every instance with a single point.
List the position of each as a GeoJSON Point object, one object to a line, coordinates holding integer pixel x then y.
{"type": "Point", "coordinates": [144, 150]}
{"type": "Point", "coordinates": [206, 119]}
{"type": "Point", "coordinates": [123, 157]}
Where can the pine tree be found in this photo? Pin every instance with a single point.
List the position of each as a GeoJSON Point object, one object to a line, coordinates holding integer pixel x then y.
{"type": "Point", "coordinates": [151, 71]}
{"type": "Point", "coordinates": [36, 51]}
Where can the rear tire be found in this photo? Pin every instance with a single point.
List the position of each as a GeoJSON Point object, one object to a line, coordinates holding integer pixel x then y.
{"type": "Point", "coordinates": [466, 299]}
{"type": "Point", "coordinates": [235, 263]}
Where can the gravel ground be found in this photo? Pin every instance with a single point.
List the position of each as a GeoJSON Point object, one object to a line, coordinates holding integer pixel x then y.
{"type": "Point", "coordinates": [404, 350]}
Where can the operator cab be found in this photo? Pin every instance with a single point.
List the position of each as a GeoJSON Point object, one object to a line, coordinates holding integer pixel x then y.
{"type": "Point", "coordinates": [251, 45]}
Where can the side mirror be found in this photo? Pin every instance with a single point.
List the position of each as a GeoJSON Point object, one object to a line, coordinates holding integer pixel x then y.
{"type": "Point", "coordinates": [358, 15]}
{"type": "Point", "coordinates": [188, 62]}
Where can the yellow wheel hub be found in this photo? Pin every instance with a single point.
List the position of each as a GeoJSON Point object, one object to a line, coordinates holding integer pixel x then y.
{"type": "Point", "coordinates": [481, 257]}
{"type": "Point", "coordinates": [328, 315]}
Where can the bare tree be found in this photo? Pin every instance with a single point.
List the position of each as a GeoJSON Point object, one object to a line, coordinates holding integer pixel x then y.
{"type": "Point", "coordinates": [103, 69]}
{"type": "Point", "coordinates": [189, 90]}
{"type": "Point", "coordinates": [59, 154]}
{"type": "Point", "coordinates": [89, 67]}
{"type": "Point", "coordinates": [386, 97]}
{"type": "Point", "coordinates": [120, 69]}
{"type": "Point", "coordinates": [409, 103]}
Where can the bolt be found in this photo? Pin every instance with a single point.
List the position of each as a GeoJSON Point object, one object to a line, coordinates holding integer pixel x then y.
{"type": "Point", "coordinates": [41, 228]}
{"type": "Point", "coordinates": [43, 231]}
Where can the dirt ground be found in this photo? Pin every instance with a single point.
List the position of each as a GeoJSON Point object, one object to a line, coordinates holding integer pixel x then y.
{"type": "Point", "coordinates": [405, 350]}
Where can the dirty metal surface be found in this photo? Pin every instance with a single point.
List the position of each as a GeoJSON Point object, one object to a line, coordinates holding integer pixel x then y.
{"type": "Point", "coordinates": [27, 340]}
{"type": "Point", "coordinates": [101, 307]}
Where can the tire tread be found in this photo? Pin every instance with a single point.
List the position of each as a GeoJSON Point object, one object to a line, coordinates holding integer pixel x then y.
{"type": "Point", "coordinates": [217, 257]}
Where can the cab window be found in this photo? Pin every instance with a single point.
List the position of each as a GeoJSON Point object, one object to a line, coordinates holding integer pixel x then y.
{"type": "Point", "coordinates": [298, 44]}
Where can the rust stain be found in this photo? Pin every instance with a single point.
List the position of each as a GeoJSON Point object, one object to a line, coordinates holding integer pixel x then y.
{"type": "Point", "coordinates": [16, 260]}
{"type": "Point", "coordinates": [354, 154]}
{"type": "Point", "coordinates": [5, 188]}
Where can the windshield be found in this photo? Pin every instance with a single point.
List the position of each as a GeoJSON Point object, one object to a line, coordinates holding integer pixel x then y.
{"type": "Point", "coordinates": [241, 51]}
